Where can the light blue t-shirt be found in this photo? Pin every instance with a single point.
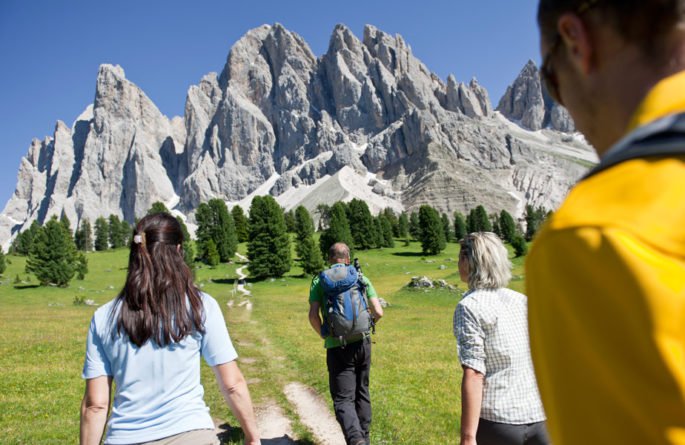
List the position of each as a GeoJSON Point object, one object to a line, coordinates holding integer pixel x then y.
{"type": "Point", "coordinates": [158, 389]}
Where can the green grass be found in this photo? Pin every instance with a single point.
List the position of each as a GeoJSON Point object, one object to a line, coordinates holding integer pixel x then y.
{"type": "Point", "coordinates": [415, 375]}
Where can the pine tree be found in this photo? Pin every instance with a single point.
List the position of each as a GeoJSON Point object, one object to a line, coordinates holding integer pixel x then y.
{"type": "Point", "coordinates": [224, 235]}
{"type": "Point", "coordinates": [432, 231]}
{"type": "Point", "coordinates": [52, 258]}
{"type": "Point", "coordinates": [22, 244]}
{"type": "Point", "coordinates": [403, 225]}
{"type": "Point", "coordinates": [125, 232]}
{"type": "Point", "coordinates": [81, 266]}
{"type": "Point", "coordinates": [446, 226]}
{"type": "Point", "coordinates": [269, 246]}
{"type": "Point", "coordinates": [64, 220]}
{"type": "Point", "coordinates": [212, 254]}
{"type": "Point", "coordinates": [101, 234]}
{"type": "Point", "coordinates": [477, 220]}
{"type": "Point", "coordinates": [188, 249]}
{"type": "Point", "coordinates": [84, 236]}
{"type": "Point", "coordinates": [158, 207]}
{"type": "Point", "coordinates": [241, 226]}
{"type": "Point", "coordinates": [459, 226]}
{"type": "Point", "coordinates": [519, 245]}
{"type": "Point", "coordinates": [304, 228]}
{"type": "Point", "coordinates": [116, 239]}
{"type": "Point", "coordinates": [534, 219]}
{"type": "Point", "coordinates": [3, 264]}
{"type": "Point", "coordinates": [312, 262]}
{"type": "Point", "coordinates": [289, 218]}
{"type": "Point", "coordinates": [362, 225]}
{"type": "Point", "coordinates": [215, 223]}
{"type": "Point", "coordinates": [377, 236]}
{"type": "Point", "coordinates": [386, 229]}
{"type": "Point", "coordinates": [323, 211]}
{"type": "Point", "coordinates": [338, 230]}
{"type": "Point", "coordinates": [414, 226]}
{"type": "Point", "coordinates": [507, 226]}
{"type": "Point", "coordinates": [394, 221]}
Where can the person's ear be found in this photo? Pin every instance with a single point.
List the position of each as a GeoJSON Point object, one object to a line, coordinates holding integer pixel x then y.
{"type": "Point", "coordinates": [178, 248]}
{"type": "Point", "coordinates": [577, 42]}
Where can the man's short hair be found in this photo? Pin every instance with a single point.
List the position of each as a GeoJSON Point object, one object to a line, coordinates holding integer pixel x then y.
{"type": "Point", "coordinates": [642, 22]}
{"type": "Point", "coordinates": [339, 251]}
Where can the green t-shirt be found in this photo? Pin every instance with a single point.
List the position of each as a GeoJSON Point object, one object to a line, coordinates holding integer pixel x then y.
{"type": "Point", "coordinates": [316, 293]}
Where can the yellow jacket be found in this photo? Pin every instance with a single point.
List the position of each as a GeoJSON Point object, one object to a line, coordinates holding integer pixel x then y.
{"type": "Point", "coordinates": [606, 293]}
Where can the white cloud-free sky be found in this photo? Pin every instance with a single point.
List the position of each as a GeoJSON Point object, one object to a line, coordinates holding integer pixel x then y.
{"type": "Point", "coordinates": [50, 50]}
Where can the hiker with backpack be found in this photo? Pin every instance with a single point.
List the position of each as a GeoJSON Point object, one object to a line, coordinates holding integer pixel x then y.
{"type": "Point", "coordinates": [343, 309]}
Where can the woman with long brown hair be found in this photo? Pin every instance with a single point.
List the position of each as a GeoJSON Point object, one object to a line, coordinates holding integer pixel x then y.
{"type": "Point", "coordinates": [149, 341]}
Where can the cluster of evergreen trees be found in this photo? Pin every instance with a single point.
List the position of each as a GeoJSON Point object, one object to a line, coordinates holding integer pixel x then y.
{"type": "Point", "coordinates": [54, 257]}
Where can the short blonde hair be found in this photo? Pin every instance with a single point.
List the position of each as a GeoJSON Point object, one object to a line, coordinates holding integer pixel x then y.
{"type": "Point", "coordinates": [488, 260]}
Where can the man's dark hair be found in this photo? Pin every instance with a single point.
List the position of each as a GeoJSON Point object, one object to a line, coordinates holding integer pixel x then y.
{"type": "Point", "coordinates": [643, 22]}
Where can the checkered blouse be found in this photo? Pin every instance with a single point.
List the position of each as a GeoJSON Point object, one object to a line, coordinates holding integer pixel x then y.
{"type": "Point", "coordinates": [491, 326]}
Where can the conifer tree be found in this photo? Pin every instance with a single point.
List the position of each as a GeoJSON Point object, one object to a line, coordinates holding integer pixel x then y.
{"type": "Point", "coordinates": [311, 259]}
{"type": "Point", "coordinates": [459, 226]}
{"type": "Point", "coordinates": [224, 235]}
{"type": "Point", "coordinates": [414, 226]}
{"type": "Point", "coordinates": [394, 221]}
{"type": "Point", "coordinates": [432, 235]}
{"type": "Point", "coordinates": [403, 225]}
{"type": "Point", "coordinates": [52, 258]}
{"type": "Point", "coordinates": [125, 232]}
{"type": "Point", "coordinates": [23, 242]}
{"type": "Point", "coordinates": [446, 226]}
{"type": "Point", "coordinates": [116, 239]}
{"type": "Point", "coordinates": [81, 266]}
{"type": "Point", "coordinates": [188, 248]}
{"type": "Point", "coordinates": [212, 254]}
{"type": "Point", "coordinates": [289, 218]}
{"type": "Point", "coordinates": [101, 234]}
{"type": "Point", "coordinates": [158, 207]}
{"type": "Point", "coordinates": [304, 228]}
{"type": "Point", "coordinates": [362, 225]}
{"type": "Point", "coordinates": [268, 248]}
{"type": "Point", "coordinates": [241, 227]}
{"type": "Point", "coordinates": [507, 226]}
{"type": "Point", "coordinates": [64, 220]}
{"type": "Point", "coordinates": [386, 230]}
{"type": "Point", "coordinates": [519, 245]}
{"type": "Point", "coordinates": [84, 236]}
{"type": "Point", "coordinates": [338, 230]}
{"type": "Point", "coordinates": [3, 264]}
{"type": "Point", "coordinates": [534, 219]}
{"type": "Point", "coordinates": [214, 222]}
{"type": "Point", "coordinates": [478, 221]}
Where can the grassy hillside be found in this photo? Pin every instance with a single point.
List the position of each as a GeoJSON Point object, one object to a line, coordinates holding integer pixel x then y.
{"type": "Point", "coordinates": [414, 379]}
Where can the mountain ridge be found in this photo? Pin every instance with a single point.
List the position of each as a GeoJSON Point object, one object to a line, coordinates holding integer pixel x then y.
{"type": "Point", "coordinates": [276, 109]}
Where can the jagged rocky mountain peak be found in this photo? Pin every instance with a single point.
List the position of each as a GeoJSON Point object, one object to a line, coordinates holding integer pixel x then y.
{"type": "Point", "coordinates": [367, 119]}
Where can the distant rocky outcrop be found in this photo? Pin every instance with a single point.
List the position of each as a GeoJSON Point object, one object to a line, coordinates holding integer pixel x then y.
{"type": "Point", "coordinates": [526, 103]}
{"type": "Point", "coordinates": [367, 119]}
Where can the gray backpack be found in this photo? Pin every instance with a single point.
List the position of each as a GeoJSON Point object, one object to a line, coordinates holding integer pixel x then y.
{"type": "Point", "coordinates": [347, 315]}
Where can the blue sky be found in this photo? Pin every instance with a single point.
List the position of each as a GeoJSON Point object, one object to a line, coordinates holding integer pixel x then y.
{"type": "Point", "coordinates": [50, 50]}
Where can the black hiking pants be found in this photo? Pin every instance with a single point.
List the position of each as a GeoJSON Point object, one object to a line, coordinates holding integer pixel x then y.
{"type": "Point", "coordinates": [348, 378]}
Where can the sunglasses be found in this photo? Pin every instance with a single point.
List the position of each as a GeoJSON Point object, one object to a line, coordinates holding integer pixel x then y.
{"type": "Point", "coordinates": [548, 75]}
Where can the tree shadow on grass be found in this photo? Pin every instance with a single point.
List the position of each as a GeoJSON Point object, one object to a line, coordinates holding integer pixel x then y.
{"type": "Point", "coordinates": [26, 286]}
{"type": "Point", "coordinates": [233, 281]}
{"type": "Point", "coordinates": [409, 254]}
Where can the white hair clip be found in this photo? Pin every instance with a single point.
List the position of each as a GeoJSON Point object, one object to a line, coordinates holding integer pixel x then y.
{"type": "Point", "coordinates": [139, 239]}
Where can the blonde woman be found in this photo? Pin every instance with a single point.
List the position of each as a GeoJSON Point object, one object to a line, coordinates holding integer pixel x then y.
{"type": "Point", "coordinates": [500, 400]}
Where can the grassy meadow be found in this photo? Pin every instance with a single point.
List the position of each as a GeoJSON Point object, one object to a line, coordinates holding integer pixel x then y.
{"type": "Point", "coordinates": [415, 375]}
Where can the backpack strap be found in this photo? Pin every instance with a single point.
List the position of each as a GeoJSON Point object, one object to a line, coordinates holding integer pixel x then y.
{"type": "Point", "coordinates": [663, 137]}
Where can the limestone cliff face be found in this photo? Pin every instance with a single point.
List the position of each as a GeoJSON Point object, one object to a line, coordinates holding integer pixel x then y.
{"type": "Point", "coordinates": [280, 120]}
